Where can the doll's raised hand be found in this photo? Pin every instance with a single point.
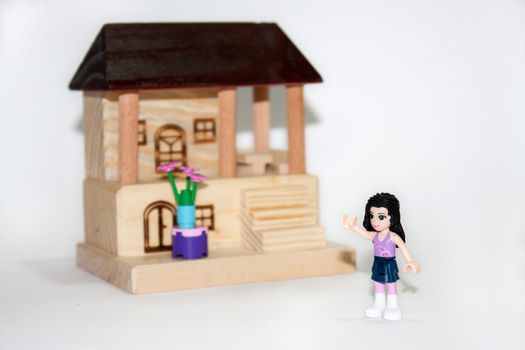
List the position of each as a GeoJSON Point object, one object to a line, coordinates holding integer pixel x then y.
{"type": "Point", "coordinates": [412, 266]}
{"type": "Point", "coordinates": [349, 222]}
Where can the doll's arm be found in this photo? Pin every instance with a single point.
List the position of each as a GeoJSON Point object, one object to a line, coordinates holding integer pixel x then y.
{"type": "Point", "coordinates": [350, 223]}
{"type": "Point", "coordinates": [410, 265]}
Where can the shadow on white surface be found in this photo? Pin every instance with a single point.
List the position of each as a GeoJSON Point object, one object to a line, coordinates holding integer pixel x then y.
{"type": "Point", "coordinates": [61, 273]}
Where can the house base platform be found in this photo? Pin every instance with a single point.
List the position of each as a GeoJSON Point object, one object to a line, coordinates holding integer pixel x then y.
{"type": "Point", "coordinates": [224, 266]}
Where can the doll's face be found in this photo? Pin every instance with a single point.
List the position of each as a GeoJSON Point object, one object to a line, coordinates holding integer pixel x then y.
{"type": "Point", "coordinates": [379, 218]}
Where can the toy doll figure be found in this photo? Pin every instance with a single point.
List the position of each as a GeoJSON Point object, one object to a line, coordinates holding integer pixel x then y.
{"type": "Point", "coordinates": [382, 226]}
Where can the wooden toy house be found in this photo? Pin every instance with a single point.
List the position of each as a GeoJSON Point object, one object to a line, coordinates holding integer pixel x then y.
{"type": "Point", "coordinates": [156, 93]}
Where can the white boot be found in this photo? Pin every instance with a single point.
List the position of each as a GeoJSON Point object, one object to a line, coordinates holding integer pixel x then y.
{"type": "Point", "coordinates": [392, 312]}
{"type": "Point", "coordinates": [376, 310]}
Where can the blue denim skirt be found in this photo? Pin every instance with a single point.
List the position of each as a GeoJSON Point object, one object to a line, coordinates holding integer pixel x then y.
{"type": "Point", "coordinates": [385, 270]}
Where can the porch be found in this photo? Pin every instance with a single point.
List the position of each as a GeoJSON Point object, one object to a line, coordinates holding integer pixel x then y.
{"type": "Point", "coordinates": [225, 266]}
{"type": "Point", "coordinates": [230, 161]}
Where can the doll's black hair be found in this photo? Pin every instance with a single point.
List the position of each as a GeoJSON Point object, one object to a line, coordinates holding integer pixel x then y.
{"type": "Point", "coordinates": [390, 202]}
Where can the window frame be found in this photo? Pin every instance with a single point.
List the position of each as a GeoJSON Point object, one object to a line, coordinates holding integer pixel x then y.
{"type": "Point", "coordinates": [204, 138]}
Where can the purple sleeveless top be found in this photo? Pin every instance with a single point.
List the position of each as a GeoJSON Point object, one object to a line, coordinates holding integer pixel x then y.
{"type": "Point", "coordinates": [385, 248]}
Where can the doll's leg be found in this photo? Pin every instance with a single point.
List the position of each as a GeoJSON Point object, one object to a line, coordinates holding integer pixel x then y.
{"type": "Point", "coordinates": [391, 288]}
{"type": "Point", "coordinates": [379, 288]}
{"type": "Point", "coordinates": [376, 310]}
{"type": "Point", "coordinates": [392, 312]}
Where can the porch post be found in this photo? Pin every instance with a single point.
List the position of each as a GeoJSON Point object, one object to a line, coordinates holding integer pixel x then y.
{"type": "Point", "coordinates": [295, 114]}
{"type": "Point", "coordinates": [261, 119]}
{"type": "Point", "coordinates": [227, 132]}
{"type": "Point", "coordinates": [128, 110]}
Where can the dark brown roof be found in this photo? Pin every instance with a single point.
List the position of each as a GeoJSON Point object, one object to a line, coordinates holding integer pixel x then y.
{"type": "Point", "coordinates": [166, 55]}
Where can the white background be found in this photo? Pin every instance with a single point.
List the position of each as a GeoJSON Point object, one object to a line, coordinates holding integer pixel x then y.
{"type": "Point", "coordinates": [424, 99]}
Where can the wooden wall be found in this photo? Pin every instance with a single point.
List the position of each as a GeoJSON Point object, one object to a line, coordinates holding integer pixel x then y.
{"type": "Point", "coordinates": [132, 200]}
{"type": "Point", "coordinates": [93, 128]}
{"type": "Point", "coordinates": [100, 212]}
{"type": "Point", "coordinates": [159, 107]}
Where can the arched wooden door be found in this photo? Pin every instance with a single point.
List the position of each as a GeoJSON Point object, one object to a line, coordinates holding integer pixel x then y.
{"type": "Point", "coordinates": [159, 219]}
{"type": "Point", "coordinates": [170, 145]}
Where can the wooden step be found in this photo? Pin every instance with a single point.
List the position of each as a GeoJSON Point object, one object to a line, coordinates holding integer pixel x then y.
{"type": "Point", "coordinates": [273, 203]}
{"type": "Point", "coordinates": [279, 196]}
{"type": "Point", "coordinates": [295, 234]}
{"type": "Point", "coordinates": [283, 239]}
{"type": "Point", "coordinates": [283, 213]}
{"type": "Point", "coordinates": [281, 223]}
{"type": "Point", "coordinates": [279, 218]}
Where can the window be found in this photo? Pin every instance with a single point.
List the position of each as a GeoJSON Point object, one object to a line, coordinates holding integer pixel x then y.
{"type": "Point", "coordinates": [204, 130]}
{"type": "Point", "coordinates": [204, 216]}
{"type": "Point", "coordinates": [170, 145]}
{"type": "Point", "coordinates": [142, 139]}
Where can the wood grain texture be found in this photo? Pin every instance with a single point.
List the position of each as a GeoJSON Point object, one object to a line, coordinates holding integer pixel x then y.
{"type": "Point", "coordinates": [275, 197]}
{"type": "Point", "coordinates": [128, 103]}
{"type": "Point", "coordinates": [279, 163]}
{"type": "Point", "coordinates": [295, 120]}
{"type": "Point", "coordinates": [290, 235]}
{"type": "Point", "coordinates": [261, 119]}
{"type": "Point", "coordinates": [278, 219]}
{"type": "Point", "coordinates": [252, 164]}
{"type": "Point", "coordinates": [93, 128]}
{"type": "Point", "coordinates": [311, 240]}
{"type": "Point", "coordinates": [180, 107]}
{"type": "Point", "coordinates": [106, 266]}
{"type": "Point", "coordinates": [236, 265]}
{"type": "Point", "coordinates": [224, 194]}
{"type": "Point", "coordinates": [114, 214]}
{"type": "Point", "coordinates": [227, 133]}
{"type": "Point", "coordinates": [100, 214]}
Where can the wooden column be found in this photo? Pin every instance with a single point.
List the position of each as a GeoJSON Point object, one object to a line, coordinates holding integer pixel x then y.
{"type": "Point", "coordinates": [261, 119]}
{"type": "Point", "coordinates": [295, 114]}
{"type": "Point", "coordinates": [128, 110]}
{"type": "Point", "coordinates": [227, 133]}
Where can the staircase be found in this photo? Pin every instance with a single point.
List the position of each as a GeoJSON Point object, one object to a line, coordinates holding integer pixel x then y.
{"type": "Point", "coordinates": [276, 219]}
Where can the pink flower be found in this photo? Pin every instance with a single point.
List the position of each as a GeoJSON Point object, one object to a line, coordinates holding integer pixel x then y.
{"type": "Point", "coordinates": [198, 178]}
{"type": "Point", "coordinates": [169, 166]}
{"type": "Point", "coordinates": [188, 170]}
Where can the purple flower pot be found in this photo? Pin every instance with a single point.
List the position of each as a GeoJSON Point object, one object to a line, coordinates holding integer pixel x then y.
{"type": "Point", "coordinates": [189, 243]}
